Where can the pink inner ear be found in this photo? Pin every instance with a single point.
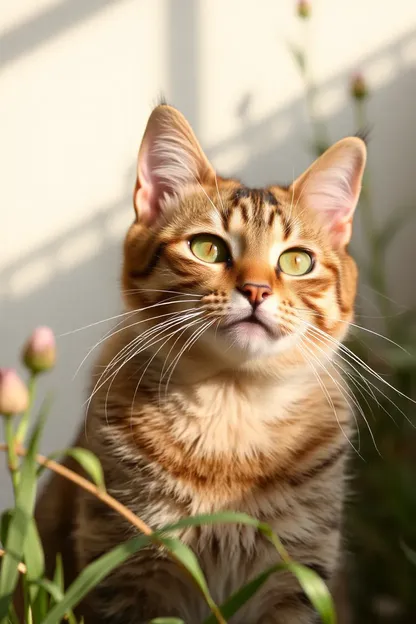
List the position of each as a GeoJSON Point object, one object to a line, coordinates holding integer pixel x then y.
{"type": "Point", "coordinates": [146, 199]}
{"type": "Point", "coordinates": [332, 193]}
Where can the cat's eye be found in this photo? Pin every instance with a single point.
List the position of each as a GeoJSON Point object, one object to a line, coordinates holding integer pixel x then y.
{"type": "Point", "coordinates": [209, 248]}
{"type": "Point", "coordinates": [296, 262]}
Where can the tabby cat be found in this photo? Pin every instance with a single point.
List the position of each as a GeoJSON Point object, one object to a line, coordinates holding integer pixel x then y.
{"type": "Point", "coordinates": [220, 388]}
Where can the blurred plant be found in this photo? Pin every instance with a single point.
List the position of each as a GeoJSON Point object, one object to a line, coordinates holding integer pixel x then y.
{"type": "Point", "coordinates": [304, 9]}
{"type": "Point", "coordinates": [381, 369]}
{"type": "Point", "coordinates": [45, 601]}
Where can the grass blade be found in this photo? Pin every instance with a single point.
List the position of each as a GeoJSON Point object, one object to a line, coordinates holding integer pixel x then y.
{"type": "Point", "coordinates": [34, 559]}
{"type": "Point", "coordinates": [89, 462]}
{"type": "Point", "coordinates": [52, 588]}
{"type": "Point", "coordinates": [5, 519]}
{"type": "Point", "coordinates": [310, 582]}
{"type": "Point", "coordinates": [58, 577]}
{"type": "Point", "coordinates": [225, 517]}
{"type": "Point", "coordinates": [86, 459]}
{"type": "Point", "coordinates": [93, 574]}
{"type": "Point", "coordinates": [19, 523]}
{"type": "Point", "coordinates": [316, 590]}
{"type": "Point", "coordinates": [167, 620]}
{"type": "Point", "coordinates": [33, 553]}
{"type": "Point", "coordinates": [240, 597]}
{"type": "Point", "coordinates": [313, 586]}
{"type": "Point", "coordinates": [189, 561]}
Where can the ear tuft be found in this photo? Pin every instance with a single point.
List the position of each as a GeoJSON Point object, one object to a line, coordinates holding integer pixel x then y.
{"type": "Point", "coordinates": [331, 187]}
{"type": "Point", "coordinates": [170, 160]}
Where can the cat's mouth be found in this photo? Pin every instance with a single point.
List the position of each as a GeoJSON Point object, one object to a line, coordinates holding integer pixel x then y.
{"type": "Point", "coordinates": [250, 323]}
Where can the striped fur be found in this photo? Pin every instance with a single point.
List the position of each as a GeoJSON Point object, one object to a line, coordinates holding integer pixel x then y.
{"type": "Point", "coordinates": [260, 425]}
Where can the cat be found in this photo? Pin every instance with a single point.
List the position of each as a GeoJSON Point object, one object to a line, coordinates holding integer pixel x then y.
{"type": "Point", "coordinates": [220, 388]}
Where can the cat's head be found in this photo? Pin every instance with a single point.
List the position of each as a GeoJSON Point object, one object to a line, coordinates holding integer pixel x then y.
{"type": "Point", "coordinates": [247, 274]}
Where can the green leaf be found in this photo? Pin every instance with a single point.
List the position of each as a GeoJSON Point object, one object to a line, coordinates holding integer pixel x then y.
{"type": "Point", "coordinates": [33, 552]}
{"type": "Point", "coordinates": [58, 576]}
{"type": "Point", "coordinates": [226, 517]}
{"type": "Point", "coordinates": [240, 597]}
{"type": "Point", "coordinates": [5, 519]}
{"type": "Point", "coordinates": [21, 518]}
{"type": "Point", "coordinates": [316, 590]}
{"type": "Point", "coordinates": [52, 588]}
{"type": "Point", "coordinates": [310, 582]}
{"type": "Point", "coordinates": [189, 561]}
{"type": "Point", "coordinates": [35, 563]}
{"type": "Point", "coordinates": [93, 574]}
{"type": "Point", "coordinates": [167, 620]}
{"type": "Point", "coordinates": [12, 616]}
{"type": "Point", "coordinates": [87, 460]}
{"type": "Point", "coordinates": [56, 593]}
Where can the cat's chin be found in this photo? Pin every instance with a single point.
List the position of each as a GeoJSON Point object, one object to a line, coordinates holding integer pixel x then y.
{"type": "Point", "coordinates": [252, 339]}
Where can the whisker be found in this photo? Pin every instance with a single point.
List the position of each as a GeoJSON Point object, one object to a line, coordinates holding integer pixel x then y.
{"type": "Point", "coordinates": [182, 330]}
{"type": "Point", "coordinates": [346, 393]}
{"type": "Point", "coordinates": [99, 384]}
{"type": "Point", "coordinates": [112, 376]}
{"type": "Point", "coordinates": [151, 330]}
{"type": "Point", "coordinates": [112, 333]}
{"type": "Point", "coordinates": [161, 327]}
{"type": "Point", "coordinates": [367, 382]}
{"type": "Point", "coordinates": [218, 193]}
{"type": "Point", "coordinates": [188, 344]}
{"type": "Point", "coordinates": [359, 361]}
{"type": "Point", "coordinates": [357, 327]}
{"type": "Point", "coordinates": [174, 292]}
{"type": "Point", "coordinates": [302, 346]}
{"type": "Point", "coordinates": [111, 318]}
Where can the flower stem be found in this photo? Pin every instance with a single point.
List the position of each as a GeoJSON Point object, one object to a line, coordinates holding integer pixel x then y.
{"type": "Point", "coordinates": [24, 423]}
{"type": "Point", "coordinates": [111, 502]}
{"type": "Point", "coordinates": [319, 138]}
{"type": "Point", "coordinates": [11, 451]}
{"type": "Point", "coordinates": [370, 227]}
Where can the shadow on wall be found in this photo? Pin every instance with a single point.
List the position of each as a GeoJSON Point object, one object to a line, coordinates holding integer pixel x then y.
{"type": "Point", "coordinates": [30, 34]}
{"type": "Point", "coordinates": [72, 281]}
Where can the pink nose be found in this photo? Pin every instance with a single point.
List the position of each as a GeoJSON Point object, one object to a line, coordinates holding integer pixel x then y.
{"type": "Point", "coordinates": [255, 293]}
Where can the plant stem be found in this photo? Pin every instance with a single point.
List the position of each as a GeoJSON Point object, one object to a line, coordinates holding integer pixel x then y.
{"type": "Point", "coordinates": [11, 451]}
{"type": "Point", "coordinates": [26, 599]}
{"type": "Point", "coordinates": [318, 129]}
{"type": "Point", "coordinates": [111, 502]}
{"type": "Point", "coordinates": [24, 423]}
{"type": "Point", "coordinates": [20, 566]}
{"type": "Point", "coordinates": [376, 265]}
{"type": "Point", "coordinates": [281, 550]}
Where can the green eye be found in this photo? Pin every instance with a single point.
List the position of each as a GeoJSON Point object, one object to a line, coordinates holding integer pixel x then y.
{"type": "Point", "coordinates": [296, 262]}
{"type": "Point", "coordinates": [209, 248]}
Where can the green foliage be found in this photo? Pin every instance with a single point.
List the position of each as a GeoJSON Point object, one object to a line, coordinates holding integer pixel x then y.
{"type": "Point", "coordinates": [380, 515]}
{"type": "Point", "coordinates": [379, 520]}
{"type": "Point", "coordinates": [88, 461]}
{"type": "Point", "coordinates": [47, 601]}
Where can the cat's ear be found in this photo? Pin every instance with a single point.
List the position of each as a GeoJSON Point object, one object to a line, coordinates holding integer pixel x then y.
{"type": "Point", "coordinates": [331, 187]}
{"type": "Point", "coordinates": [170, 160]}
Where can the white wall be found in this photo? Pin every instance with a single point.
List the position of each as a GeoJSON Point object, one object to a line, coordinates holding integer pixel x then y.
{"type": "Point", "coordinates": [78, 80]}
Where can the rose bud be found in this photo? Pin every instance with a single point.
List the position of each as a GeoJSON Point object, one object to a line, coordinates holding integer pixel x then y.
{"type": "Point", "coordinates": [14, 396]}
{"type": "Point", "coordinates": [39, 354]}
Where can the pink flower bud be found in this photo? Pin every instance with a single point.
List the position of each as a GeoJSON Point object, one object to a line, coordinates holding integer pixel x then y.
{"type": "Point", "coordinates": [304, 9]}
{"type": "Point", "coordinates": [359, 89]}
{"type": "Point", "coordinates": [14, 397]}
{"type": "Point", "coordinates": [39, 354]}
